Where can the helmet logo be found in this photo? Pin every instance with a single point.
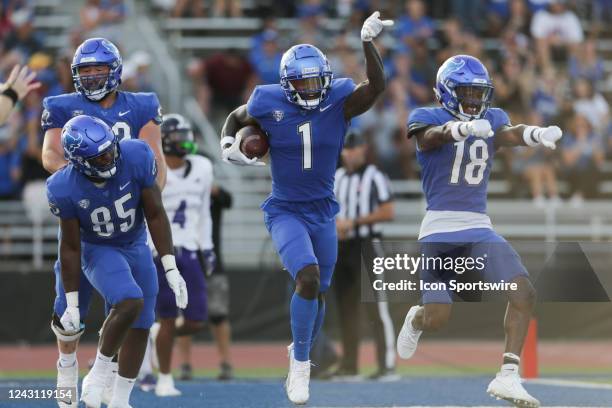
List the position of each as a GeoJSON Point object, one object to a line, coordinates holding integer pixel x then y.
{"type": "Point", "coordinates": [73, 142]}
{"type": "Point", "coordinates": [451, 66]}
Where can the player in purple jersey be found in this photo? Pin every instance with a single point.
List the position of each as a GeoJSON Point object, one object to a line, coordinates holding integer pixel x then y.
{"type": "Point", "coordinates": [96, 73]}
{"type": "Point", "coordinates": [306, 117]}
{"type": "Point", "coordinates": [455, 148]}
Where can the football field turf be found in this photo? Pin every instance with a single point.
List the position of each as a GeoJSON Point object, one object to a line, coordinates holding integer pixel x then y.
{"type": "Point", "coordinates": [408, 392]}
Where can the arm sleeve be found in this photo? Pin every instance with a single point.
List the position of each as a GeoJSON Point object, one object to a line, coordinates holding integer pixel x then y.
{"type": "Point", "coordinates": [150, 110]}
{"type": "Point", "coordinates": [418, 120]}
{"type": "Point", "coordinates": [146, 169]}
{"type": "Point", "coordinates": [59, 206]}
{"type": "Point", "coordinates": [53, 116]}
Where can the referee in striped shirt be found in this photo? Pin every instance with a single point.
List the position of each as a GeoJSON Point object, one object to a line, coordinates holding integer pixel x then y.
{"type": "Point", "coordinates": [366, 200]}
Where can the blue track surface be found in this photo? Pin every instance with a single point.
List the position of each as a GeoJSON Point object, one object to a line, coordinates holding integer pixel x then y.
{"type": "Point", "coordinates": [464, 392]}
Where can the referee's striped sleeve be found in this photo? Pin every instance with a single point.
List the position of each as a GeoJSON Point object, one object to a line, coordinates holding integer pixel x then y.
{"type": "Point", "coordinates": [383, 187]}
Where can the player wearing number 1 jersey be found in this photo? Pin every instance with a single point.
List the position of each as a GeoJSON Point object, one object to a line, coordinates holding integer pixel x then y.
{"type": "Point", "coordinates": [96, 73]}
{"type": "Point", "coordinates": [306, 117]}
{"type": "Point", "coordinates": [456, 144]}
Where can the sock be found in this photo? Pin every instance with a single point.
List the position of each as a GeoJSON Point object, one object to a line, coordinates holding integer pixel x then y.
{"type": "Point", "coordinates": [146, 367]}
{"type": "Point", "coordinates": [318, 322]}
{"type": "Point", "coordinates": [67, 360]}
{"type": "Point", "coordinates": [303, 314]}
{"type": "Point", "coordinates": [511, 364]}
{"type": "Point", "coordinates": [123, 389]}
{"type": "Point", "coordinates": [102, 366]}
{"type": "Point", "coordinates": [165, 379]}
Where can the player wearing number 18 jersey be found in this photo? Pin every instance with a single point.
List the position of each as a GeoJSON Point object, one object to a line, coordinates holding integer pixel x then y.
{"type": "Point", "coordinates": [456, 144]}
{"type": "Point", "coordinates": [96, 72]}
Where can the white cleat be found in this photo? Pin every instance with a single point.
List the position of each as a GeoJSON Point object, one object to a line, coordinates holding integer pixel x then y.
{"type": "Point", "coordinates": [298, 379]}
{"type": "Point", "coordinates": [93, 389]}
{"type": "Point", "coordinates": [508, 387]}
{"type": "Point", "coordinates": [165, 387]}
{"type": "Point", "coordinates": [109, 388]}
{"type": "Point", "coordinates": [119, 406]}
{"type": "Point", "coordinates": [68, 383]}
{"type": "Point", "coordinates": [408, 338]}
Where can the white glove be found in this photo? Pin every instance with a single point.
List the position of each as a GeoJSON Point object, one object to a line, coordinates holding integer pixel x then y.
{"type": "Point", "coordinates": [71, 319]}
{"type": "Point", "coordinates": [373, 26]}
{"type": "Point", "coordinates": [478, 127]}
{"type": "Point", "coordinates": [546, 136]}
{"type": "Point", "coordinates": [233, 155]}
{"type": "Point", "coordinates": [549, 136]}
{"type": "Point", "coordinates": [175, 280]}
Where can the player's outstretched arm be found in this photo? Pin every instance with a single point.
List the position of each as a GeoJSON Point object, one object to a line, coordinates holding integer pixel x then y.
{"type": "Point", "coordinates": [52, 152]}
{"type": "Point", "coordinates": [524, 135]}
{"type": "Point", "coordinates": [431, 137]}
{"type": "Point", "coordinates": [159, 227]}
{"type": "Point", "coordinates": [70, 260]}
{"type": "Point", "coordinates": [365, 94]}
{"type": "Point", "coordinates": [151, 134]}
{"type": "Point", "coordinates": [230, 147]}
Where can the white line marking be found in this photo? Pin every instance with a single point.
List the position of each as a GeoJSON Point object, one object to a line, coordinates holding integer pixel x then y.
{"type": "Point", "coordinates": [556, 382]}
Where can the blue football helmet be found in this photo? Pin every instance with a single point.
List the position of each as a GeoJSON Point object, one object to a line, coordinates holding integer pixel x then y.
{"type": "Point", "coordinates": [90, 146]}
{"type": "Point", "coordinates": [464, 88]}
{"type": "Point", "coordinates": [96, 51]}
{"type": "Point", "coordinates": [305, 75]}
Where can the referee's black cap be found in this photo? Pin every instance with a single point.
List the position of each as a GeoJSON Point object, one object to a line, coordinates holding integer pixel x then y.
{"type": "Point", "coordinates": [353, 138]}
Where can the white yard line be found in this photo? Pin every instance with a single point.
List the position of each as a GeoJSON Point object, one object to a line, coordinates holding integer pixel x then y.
{"type": "Point", "coordinates": [557, 382]}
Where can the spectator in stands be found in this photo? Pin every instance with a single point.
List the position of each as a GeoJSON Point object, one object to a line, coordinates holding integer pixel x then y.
{"type": "Point", "coordinates": [537, 167]}
{"type": "Point", "coordinates": [136, 73]}
{"type": "Point", "coordinates": [556, 29]}
{"type": "Point", "coordinates": [591, 104]}
{"type": "Point", "coordinates": [451, 38]}
{"type": "Point", "coordinates": [587, 64]}
{"type": "Point", "coordinates": [414, 26]}
{"type": "Point", "coordinates": [583, 156]}
{"type": "Point", "coordinates": [266, 58]}
{"type": "Point", "coordinates": [101, 18]}
{"type": "Point", "coordinates": [188, 8]}
{"type": "Point", "coordinates": [470, 13]}
{"type": "Point", "coordinates": [546, 98]}
{"type": "Point", "coordinates": [10, 159]}
{"type": "Point", "coordinates": [23, 40]}
{"type": "Point", "coordinates": [229, 8]}
{"type": "Point", "coordinates": [311, 30]}
{"type": "Point", "coordinates": [512, 88]}
{"type": "Point", "coordinates": [222, 81]}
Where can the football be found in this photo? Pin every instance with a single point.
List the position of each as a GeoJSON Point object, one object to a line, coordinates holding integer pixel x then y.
{"type": "Point", "coordinates": [254, 142]}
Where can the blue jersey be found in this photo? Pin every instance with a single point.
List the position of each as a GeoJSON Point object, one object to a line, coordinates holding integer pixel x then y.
{"type": "Point", "coordinates": [304, 144]}
{"type": "Point", "coordinates": [128, 114]}
{"type": "Point", "coordinates": [111, 214]}
{"type": "Point", "coordinates": [455, 175]}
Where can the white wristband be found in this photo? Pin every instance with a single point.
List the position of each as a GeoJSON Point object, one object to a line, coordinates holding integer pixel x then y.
{"type": "Point", "coordinates": [168, 262]}
{"type": "Point", "coordinates": [225, 140]}
{"type": "Point", "coordinates": [456, 132]}
{"type": "Point", "coordinates": [72, 299]}
{"type": "Point", "coordinates": [531, 135]}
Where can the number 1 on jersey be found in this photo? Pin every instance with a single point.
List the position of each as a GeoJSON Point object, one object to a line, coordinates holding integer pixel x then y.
{"type": "Point", "coordinates": [475, 168]}
{"type": "Point", "coordinates": [305, 132]}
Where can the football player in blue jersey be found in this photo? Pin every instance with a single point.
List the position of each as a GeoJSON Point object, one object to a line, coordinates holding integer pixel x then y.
{"type": "Point", "coordinates": [102, 198]}
{"type": "Point", "coordinates": [96, 73]}
{"type": "Point", "coordinates": [456, 144]}
{"type": "Point", "coordinates": [305, 118]}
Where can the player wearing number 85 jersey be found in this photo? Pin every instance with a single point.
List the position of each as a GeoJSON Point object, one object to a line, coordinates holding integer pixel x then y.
{"type": "Point", "coordinates": [306, 117]}
{"type": "Point", "coordinates": [456, 144]}
{"type": "Point", "coordinates": [96, 73]}
{"type": "Point", "coordinates": [102, 198]}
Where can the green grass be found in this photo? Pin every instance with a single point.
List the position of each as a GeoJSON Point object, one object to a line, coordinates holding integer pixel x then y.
{"type": "Point", "coordinates": [602, 375]}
